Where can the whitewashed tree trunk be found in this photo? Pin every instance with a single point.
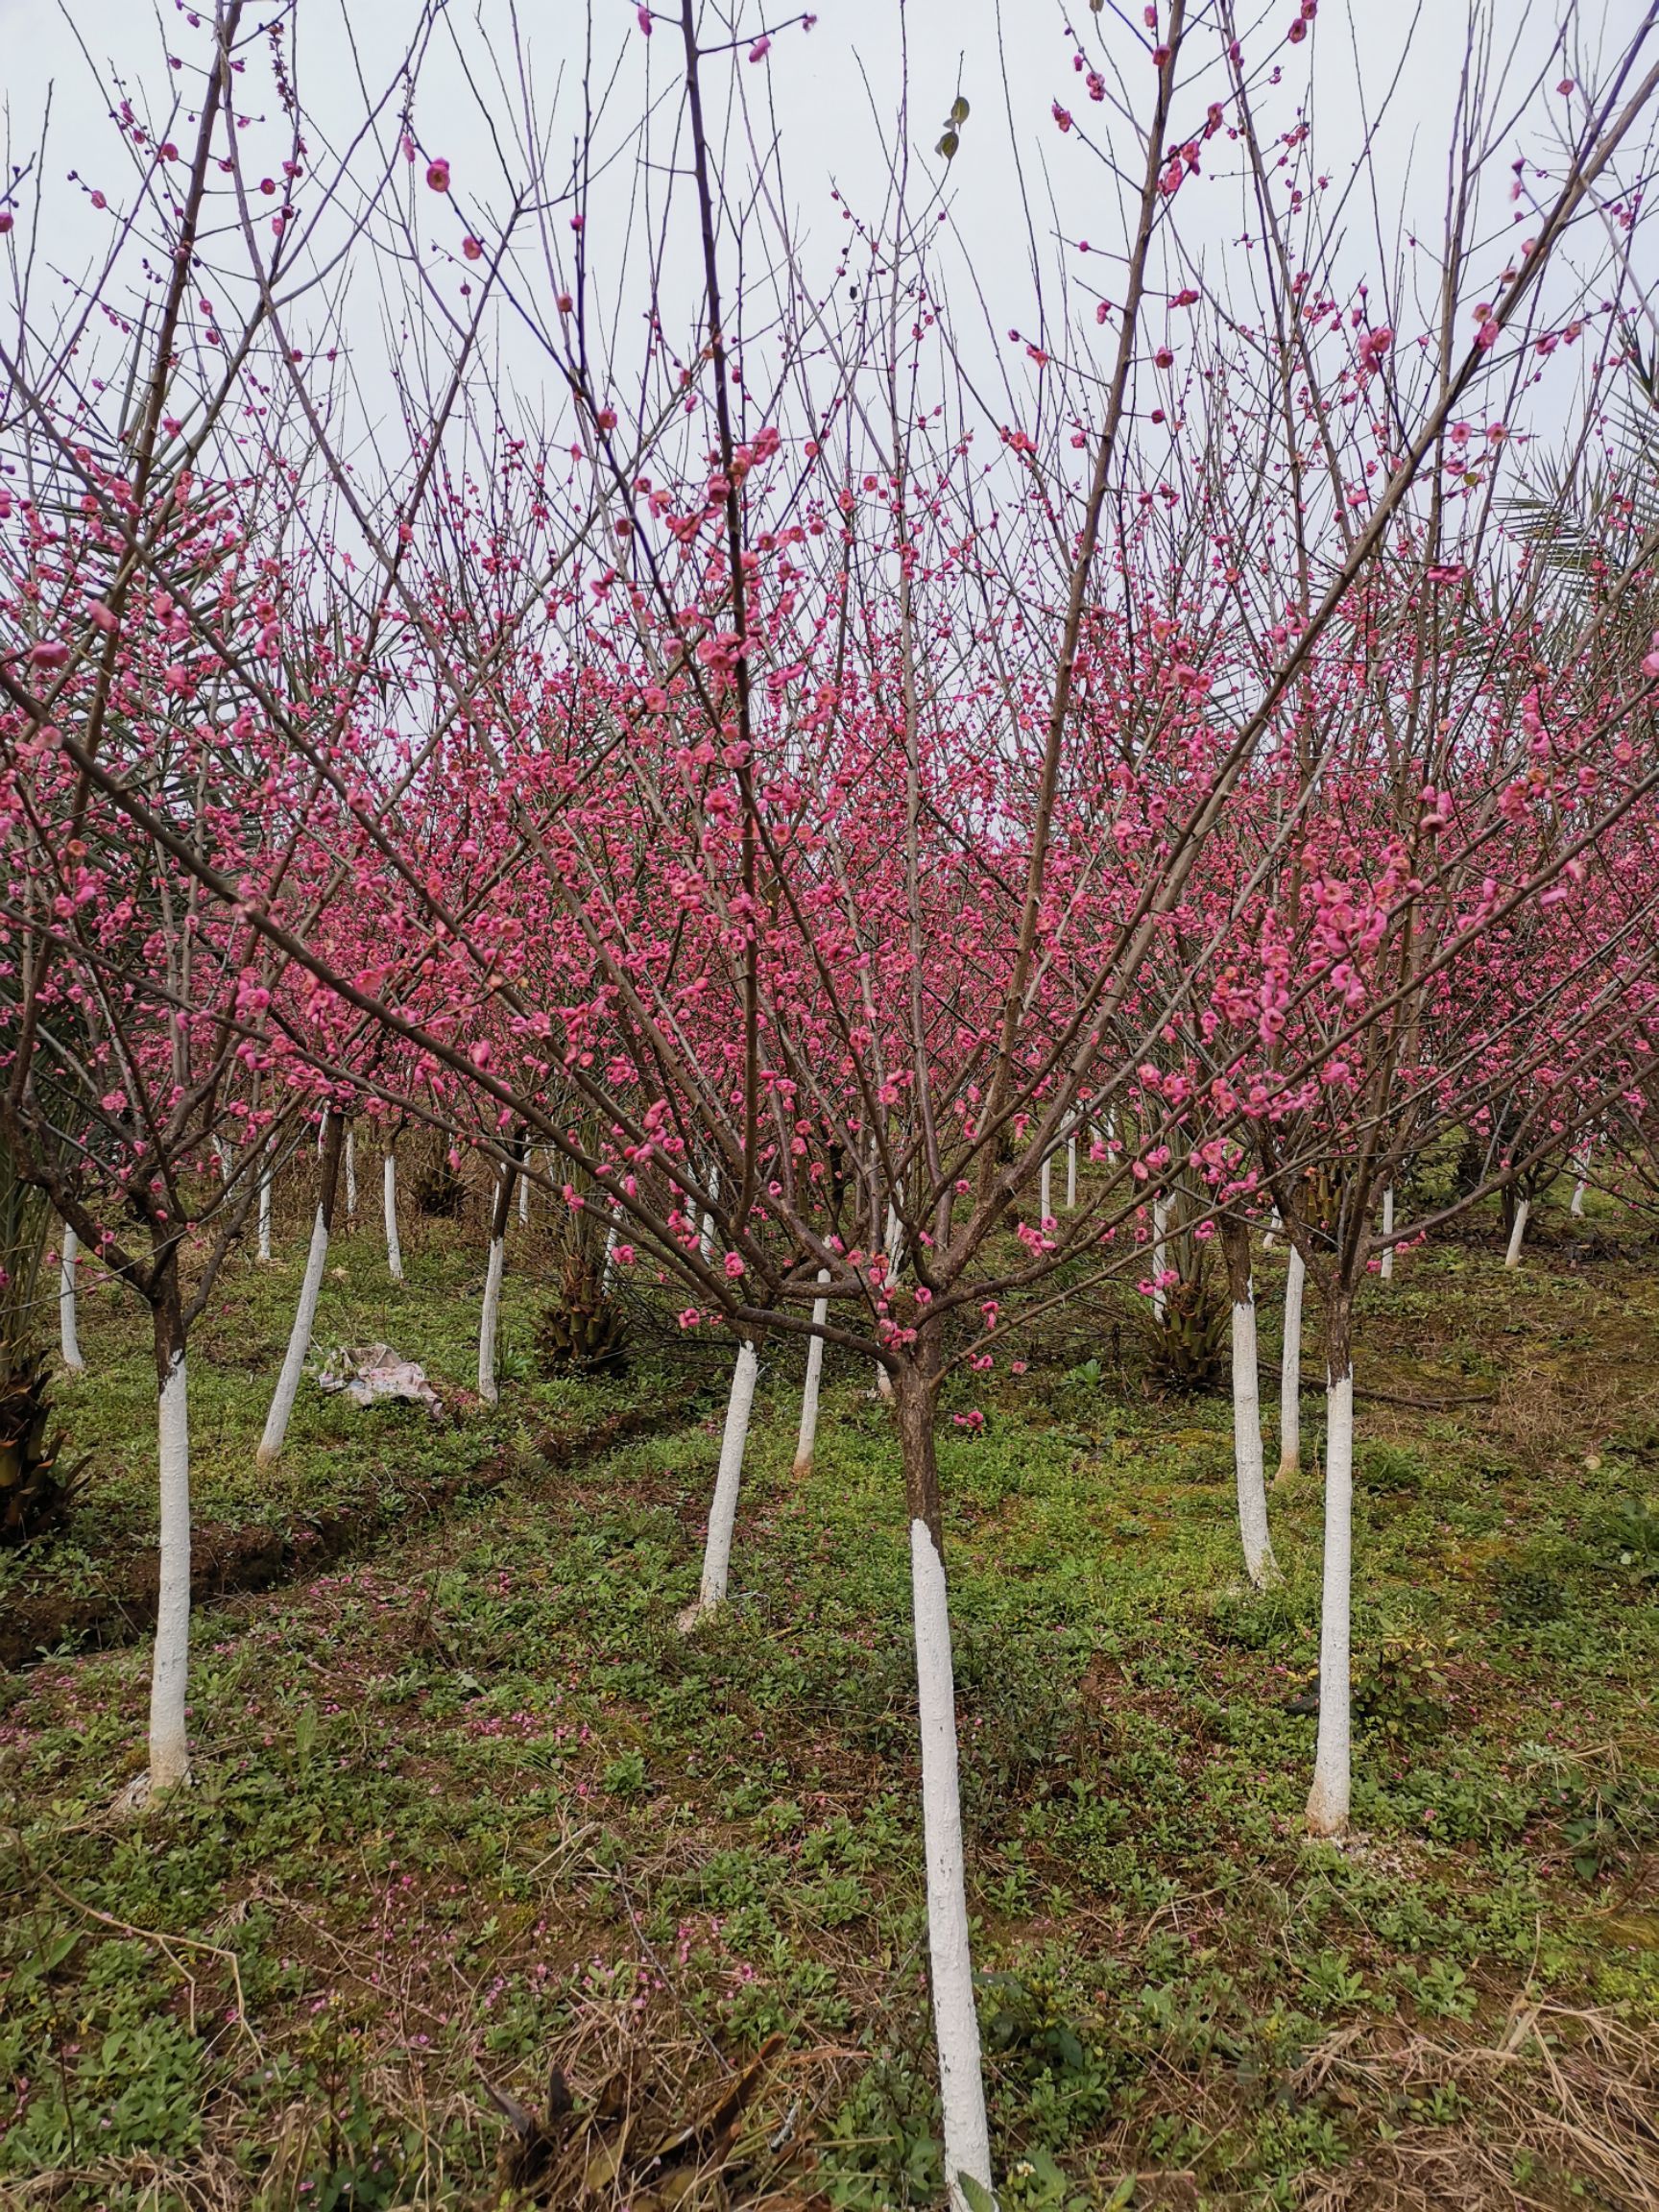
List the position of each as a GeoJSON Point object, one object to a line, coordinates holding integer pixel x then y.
{"type": "Point", "coordinates": [170, 1663]}
{"type": "Point", "coordinates": [1274, 1225]}
{"type": "Point", "coordinates": [1387, 1266]}
{"type": "Point", "coordinates": [707, 1241]}
{"type": "Point", "coordinates": [350, 1174]}
{"type": "Point", "coordinates": [1249, 1472]}
{"type": "Point", "coordinates": [809, 1436]}
{"type": "Point", "coordinates": [1581, 1183]}
{"type": "Point", "coordinates": [1290, 1370]}
{"type": "Point", "coordinates": [490, 1316]}
{"type": "Point", "coordinates": [1517, 1234]}
{"type": "Point", "coordinates": [892, 1238]}
{"type": "Point", "coordinates": [1260, 1563]}
{"type": "Point", "coordinates": [722, 1512]}
{"type": "Point", "coordinates": [523, 1200]}
{"type": "Point", "coordinates": [222, 1154]}
{"type": "Point", "coordinates": [1328, 1801]}
{"type": "Point", "coordinates": [389, 1203]}
{"type": "Point", "coordinates": [1071, 1170]}
{"type": "Point", "coordinates": [487, 1321]}
{"type": "Point", "coordinates": [265, 1204]}
{"type": "Point", "coordinates": [956, 2016]}
{"type": "Point", "coordinates": [1160, 1252]}
{"type": "Point", "coordinates": [1045, 1192]}
{"type": "Point", "coordinates": [68, 1333]}
{"type": "Point", "coordinates": [306, 1311]}
{"type": "Point", "coordinates": [606, 1271]}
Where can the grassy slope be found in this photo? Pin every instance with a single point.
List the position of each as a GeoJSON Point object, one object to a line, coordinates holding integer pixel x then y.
{"type": "Point", "coordinates": [471, 1804]}
{"type": "Point", "coordinates": [343, 1473]}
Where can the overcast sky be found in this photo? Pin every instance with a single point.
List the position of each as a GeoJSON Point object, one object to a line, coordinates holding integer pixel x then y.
{"type": "Point", "coordinates": [1022, 194]}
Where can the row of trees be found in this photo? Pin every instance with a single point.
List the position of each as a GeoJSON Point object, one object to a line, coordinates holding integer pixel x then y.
{"type": "Point", "coordinates": [833, 780]}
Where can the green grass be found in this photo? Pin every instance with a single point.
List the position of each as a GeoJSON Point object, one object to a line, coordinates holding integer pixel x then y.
{"type": "Point", "coordinates": [345, 1472]}
{"type": "Point", "coordinates": [470, 1806]}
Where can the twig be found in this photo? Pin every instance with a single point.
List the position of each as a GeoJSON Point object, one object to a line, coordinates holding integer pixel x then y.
{"type": "Point", "coordinates": [165, 1943]}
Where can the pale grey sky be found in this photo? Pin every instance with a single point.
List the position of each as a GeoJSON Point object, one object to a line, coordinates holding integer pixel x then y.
{"type": "Point", "coordinates": [1020, 192]}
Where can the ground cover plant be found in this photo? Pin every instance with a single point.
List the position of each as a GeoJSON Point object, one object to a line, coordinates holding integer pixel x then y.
{"type": "Point", "coordinates": [491, 1813]}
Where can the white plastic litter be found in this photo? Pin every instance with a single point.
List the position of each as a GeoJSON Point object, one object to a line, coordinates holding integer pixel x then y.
{"type": "Point", "coordinates": [368, 1372]}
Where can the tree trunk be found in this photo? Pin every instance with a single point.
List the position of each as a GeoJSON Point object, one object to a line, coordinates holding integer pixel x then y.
{"type": "Point", "coordinates": [955, 2017]}
{"type": "Point", "coordinates": [389, 1200]}
{"type": "Point", "coordinates": [68, 1333]}
{"type": "Point", "coordinates": [1523, 1213]}
{"type": "Point", "coordinates": [722, 1512]}
{"type": "Point", "coordinates": [1332, 1761]}
{"type": "Point", "coordinates": [1581, 1184]}
{"type": "Point", "coordinates": [170, 1664]}
{"type": "Point", "coordinates": [808, 1436]}
{"type": "Point", "coordinates": [1045, 1195]}
{"type": "Point", "coordinates": [265, 1201]}
{"type": "Point", "coordinates": [352, 1175]}
{"type": "Point", "coordinates": [305, 1312]}
{"type": "Point", "coordinates": [706, 1241]}
{"type": "Point", "coordinates": [1260, 1563]}
{"type": "Point", "coordinates": [890, 1241]}
{"type": "Point", "coordinates": [1160, 1252]}
{"type": "Point", "coordinates": [1071, 1170]}
{"type": "Point", "coordinates": [489, 1320]}
{"type": "Point", "coordinates": [1290, 1371]}
{"type": "Point", "coordinates": [1387, 1266]}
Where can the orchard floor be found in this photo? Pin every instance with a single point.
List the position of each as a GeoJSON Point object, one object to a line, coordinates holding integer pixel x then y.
{"type": "Point", "coordinates": [468, 1806]}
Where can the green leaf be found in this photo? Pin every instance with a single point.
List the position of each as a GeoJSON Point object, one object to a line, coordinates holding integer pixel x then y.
{"type": "Point", "coordinates": [948, 145]}
{"type": "Point", "coordinates": [958, 110]}
{"type": "Point", "coordinates": [980, 2197]}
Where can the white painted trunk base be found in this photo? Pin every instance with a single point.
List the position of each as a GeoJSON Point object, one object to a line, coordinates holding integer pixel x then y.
{"type": "Point", "coordinates": [956, 2018]}
{"type": "Point", "coordinates": [808, 1438]}
{"type": "Point", "coordinates": [1386, 1269]}
{"type": "Point", "coordinates": [1045, 1197]}
{"type": "Point", "coordinates": [389, 1203]}
{"type": "Point", "coordinates": [706, 1241]}
{"type": "Point", "coordinates": [488, 1321]}
{"type": "Point", "coordinates": [350, 1175]}
{"type": "Point", "coordinates": [1260, 1563]}
{"type": "Point", "coordinates": [265, 1211]}
{"type": "Point", "coordinates": [891, 1239]}
{"type": "Point", "coordinates": [1070, 1171]}
{"type": "Point", "coordinates": [523, 1198]}
{"type": "Point", "coordinates": [170, 1666]}
{"type": "Point", "coordinates": [1290, 1370]}
{"type": "Point", "coordinates": [68, 1331]}
{"type": "Point", "coordinates": [299, 1346]}
{"type": "Point", "coordinates": [1160, 1252]}
{"type": "Point", "coordinates": [1327, 1801]}
{"type": "Point", "coordinates": [1576, 1208]}
{"type": "Point", "coordinates": [1517, 1234]}
{"type": "Point", "coordinates": [722, 1512]}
